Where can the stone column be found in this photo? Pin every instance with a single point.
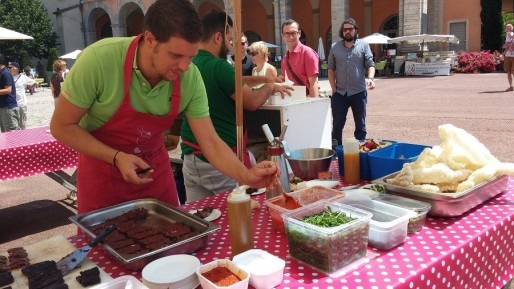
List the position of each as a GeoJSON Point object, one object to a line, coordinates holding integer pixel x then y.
{"type": "Point", "coordinates": [412, 21]}
{"type": "Point", "coordinates": [119, 30]}
{"type": "Point", "coordinates": [340, 11]}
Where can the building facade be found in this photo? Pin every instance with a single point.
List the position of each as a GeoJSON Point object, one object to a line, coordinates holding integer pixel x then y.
{"type": "Point", "coordinates": [82, 22]}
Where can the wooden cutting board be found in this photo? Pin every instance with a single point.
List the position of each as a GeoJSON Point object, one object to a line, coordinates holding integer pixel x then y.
{"type": "Point", "coordinates": [54, 249]}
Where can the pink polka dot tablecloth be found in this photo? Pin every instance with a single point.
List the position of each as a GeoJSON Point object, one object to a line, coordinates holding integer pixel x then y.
{"type": "Point", "coordinates": [475, 250]}
{"type": "Point", "coordinates": [33, 151]}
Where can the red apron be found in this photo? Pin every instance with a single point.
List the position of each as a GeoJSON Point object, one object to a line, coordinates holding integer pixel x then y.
{"type": "Point", "coordinates": [100, 184]}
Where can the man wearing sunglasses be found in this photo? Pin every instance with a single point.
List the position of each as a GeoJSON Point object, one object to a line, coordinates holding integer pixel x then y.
{"type": "Point", "coordinates": [246, 60]}
{"type": "Point", "coordinates": [349, 61]}
{"type": "Point", "coordinates": [9, 112]}
{"type": "Point", "coordinates": [202, 179]}
{"type": "Point", "coordinates": [301, 63]}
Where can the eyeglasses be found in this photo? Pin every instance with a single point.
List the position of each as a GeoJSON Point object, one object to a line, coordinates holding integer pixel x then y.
{"type": "Point", "coordinates": [11, 67]}
{"type": "Point", "coordinates": [348, 29]}
{"type": "Point", "coordinates": [253, 53]}
{"type": "Point", "coordinates": [291, 33]}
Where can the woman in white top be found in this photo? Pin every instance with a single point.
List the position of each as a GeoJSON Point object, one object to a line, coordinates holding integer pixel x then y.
{"type": "Point", "coordinates": [259, 54]}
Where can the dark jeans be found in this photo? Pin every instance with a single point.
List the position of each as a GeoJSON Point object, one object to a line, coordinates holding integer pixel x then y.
{"type": "Point", "coordinates": [340, 105]}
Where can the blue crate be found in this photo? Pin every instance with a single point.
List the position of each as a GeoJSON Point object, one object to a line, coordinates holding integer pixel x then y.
{"type": "Point", "coordinates": [365, 173]}
{"type": "Point", "coordinates": [391, 158]}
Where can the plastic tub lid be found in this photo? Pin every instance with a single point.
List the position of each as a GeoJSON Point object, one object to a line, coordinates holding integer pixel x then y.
{"type": "Point", "coordinates": [406, 203]}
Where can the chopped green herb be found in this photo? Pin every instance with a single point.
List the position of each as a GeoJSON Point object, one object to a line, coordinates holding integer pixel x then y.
{"type": "Point", "coordinates": [328, 219]}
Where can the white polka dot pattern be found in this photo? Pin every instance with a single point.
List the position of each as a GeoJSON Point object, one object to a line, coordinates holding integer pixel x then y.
{"type": "Point", "coordinates": [33, 151]}
{"type": "Point", "coordinates": [475, 250]}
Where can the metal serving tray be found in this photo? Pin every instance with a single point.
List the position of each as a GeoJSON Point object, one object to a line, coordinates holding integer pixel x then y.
{"type": "Point", "coordinates": [157, 210]}
{"type": "Point", "coordinates": [449, 204]}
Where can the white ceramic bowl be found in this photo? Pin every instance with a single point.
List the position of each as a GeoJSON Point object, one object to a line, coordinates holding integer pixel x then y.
{"type": "Point", "coordinates": [175, 271]}
{"type": "Point", "coordinates": [266, 270]}
{"type": "Point", "coordinates": [243, 275]}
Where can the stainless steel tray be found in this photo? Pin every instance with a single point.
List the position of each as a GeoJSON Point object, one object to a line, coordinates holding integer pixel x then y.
{"type": "Point", "coordinates": [449, 204]}
{"type": "Point", "coordinates": [158, 210]}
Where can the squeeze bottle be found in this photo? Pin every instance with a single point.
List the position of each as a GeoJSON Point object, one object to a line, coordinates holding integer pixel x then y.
{"type": "Point", "coordinates": [240, 220]}
{"type": "Point", "coordinates": [351, 161]}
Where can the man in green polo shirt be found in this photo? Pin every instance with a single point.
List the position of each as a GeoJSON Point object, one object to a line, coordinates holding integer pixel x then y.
{"type": "Point", "coordinates": [201, 178]}
{"type": "Point", "coordinates": [120, 97]}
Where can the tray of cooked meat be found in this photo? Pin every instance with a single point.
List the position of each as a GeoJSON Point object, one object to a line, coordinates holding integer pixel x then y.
{"type": "Point", "coordinates": [448, 204]}
{"type": "Point", "coordinates": [147, 229]}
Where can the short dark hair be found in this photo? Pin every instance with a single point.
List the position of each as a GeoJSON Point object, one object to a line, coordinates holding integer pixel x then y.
{"type": "Point", "coordinates": [349, 21]}
{"type": "Point", "coordinates": [215, 22]}
{"type": "Point", "coordinates": [173, 18]}
{"type": "Point", "coordinates": [289, 22]}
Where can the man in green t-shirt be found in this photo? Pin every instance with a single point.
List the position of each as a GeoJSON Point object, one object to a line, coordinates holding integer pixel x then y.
{"type": "Point", "coordinates": [202, 179]}
{"type": "Point", "coordinates": [120, 97]}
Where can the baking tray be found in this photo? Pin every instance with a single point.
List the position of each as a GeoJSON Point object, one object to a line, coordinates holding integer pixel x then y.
{"type": "Point", "coordinates": [449, 204]}
{"type": "Point", "coordinates": [158, 210]}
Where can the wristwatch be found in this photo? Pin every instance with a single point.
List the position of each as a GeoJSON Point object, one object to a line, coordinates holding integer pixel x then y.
{"type": "Point", "coordinates": [371, 78]}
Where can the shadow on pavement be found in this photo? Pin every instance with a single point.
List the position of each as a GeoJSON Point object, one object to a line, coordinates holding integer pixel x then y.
{"type": "Point", "coordinates": [31, 218]}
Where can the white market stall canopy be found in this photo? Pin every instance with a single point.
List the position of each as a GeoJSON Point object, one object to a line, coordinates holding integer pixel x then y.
{"type": "Point", "coordinates": [8, 34]}
{"type": "Point", "coordinates": [71, 55]}
{"type": "Point", "coordinates": [423, 38]}
{"type": "Point", "coordinates": [376, 38]}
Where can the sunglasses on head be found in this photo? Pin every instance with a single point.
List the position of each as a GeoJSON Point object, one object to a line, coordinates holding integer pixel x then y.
{"type": "Point", "coordinates": [253, 53]}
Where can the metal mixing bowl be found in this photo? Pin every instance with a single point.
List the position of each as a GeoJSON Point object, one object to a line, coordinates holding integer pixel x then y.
{"type": "Point", "coordinates": [307, 163]}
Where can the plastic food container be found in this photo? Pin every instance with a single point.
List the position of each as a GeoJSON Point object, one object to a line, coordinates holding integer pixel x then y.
{"type": "Point", "coordinates": [266, 271]}
{"type": "Point", "coordinates": [390, 159]}
{"type": "Point", "coordinates": [365, 173]}
{"type": "Point", "coordinates": [327, 249]}
{"type": "Point", "coordinates": [276, 99]}
{"type": "Point", "coordinates": [276, 205]}
{"type": "Point", "coordinates": [243, 275]}
{"type": "Point", "coordinates": [388, 226]}
{"type": "Point", "coordinates": [421, 209]}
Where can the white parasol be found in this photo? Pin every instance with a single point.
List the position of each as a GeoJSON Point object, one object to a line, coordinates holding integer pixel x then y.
{"type": "Point", "coordinates": [376, 38]}
{"type": "Point", "coordinates": [321, 49]}
{"type": "Point", "coordinates": [8, 34]}
{"type": "Point", "coordinates": [71, 55]}
{"type": "Point", "coordinates": [422, 38]}
{"type": "Point", "coordinates": [270, 45]}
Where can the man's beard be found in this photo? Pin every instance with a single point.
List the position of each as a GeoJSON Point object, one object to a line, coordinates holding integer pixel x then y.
{"type": "Point", "coordinates": [350, 38]}
{"type": "Point", "coordinates": [223, 52]}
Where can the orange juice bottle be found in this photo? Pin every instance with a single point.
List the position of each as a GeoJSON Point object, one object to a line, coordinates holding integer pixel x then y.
{"type": "Point", "coordinates": [351, 162]}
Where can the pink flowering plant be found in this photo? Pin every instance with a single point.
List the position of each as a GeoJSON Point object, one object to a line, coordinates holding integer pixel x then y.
{"type": "Point", "coordinates": [475, 62]}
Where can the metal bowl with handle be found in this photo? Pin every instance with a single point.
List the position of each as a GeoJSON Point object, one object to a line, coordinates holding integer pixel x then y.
{"type": "Point", "coordinates": [308, 163]}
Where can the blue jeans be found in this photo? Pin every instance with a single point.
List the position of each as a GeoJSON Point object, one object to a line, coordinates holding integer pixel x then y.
{"type": "Point", "coordinates": [340, 105]}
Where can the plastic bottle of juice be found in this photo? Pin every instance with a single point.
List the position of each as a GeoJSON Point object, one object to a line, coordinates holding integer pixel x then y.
{"type": "Point", "coordinates": [351, 161]}
{"type": "Point", "coordinates": [240, 220]}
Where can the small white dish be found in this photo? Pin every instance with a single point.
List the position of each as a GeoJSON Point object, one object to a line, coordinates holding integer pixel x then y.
{"type": "Point", "coordinates": [241, 273]}
{"type": "Point", "coordinates": [170, 270]}
{"type": "Point", "coordinates": [266, 270]}
{"type": "Point", "coordinates": [258, 192]}
{"type": "Point", "coordinates": [317, 183]}
{"type": "Point", "coordinates": [215, 214]}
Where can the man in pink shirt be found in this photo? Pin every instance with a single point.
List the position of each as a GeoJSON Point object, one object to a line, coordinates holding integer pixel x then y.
{"type": "Point", "coordinates": [301, 63]}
